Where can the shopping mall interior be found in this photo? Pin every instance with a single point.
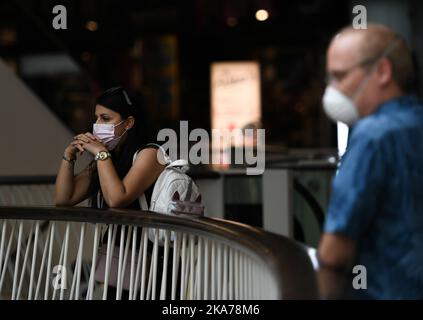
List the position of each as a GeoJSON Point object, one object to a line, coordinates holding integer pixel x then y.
{"type": "Point", "coordinates": [205, 64]}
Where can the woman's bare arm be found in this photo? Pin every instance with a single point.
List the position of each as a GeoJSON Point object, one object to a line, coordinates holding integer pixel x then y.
{"type": "Point", "coordinates": [119, 193]}
{"type": "Point", "coordinates": [70, 189]}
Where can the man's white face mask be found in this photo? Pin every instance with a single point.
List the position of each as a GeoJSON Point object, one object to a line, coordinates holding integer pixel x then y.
{"type": "Point", "coordinates": [340, 107]}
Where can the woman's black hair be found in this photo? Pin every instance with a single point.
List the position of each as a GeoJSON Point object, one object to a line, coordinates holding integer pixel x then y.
{"type": "Point", "coordinates": [126, 104]}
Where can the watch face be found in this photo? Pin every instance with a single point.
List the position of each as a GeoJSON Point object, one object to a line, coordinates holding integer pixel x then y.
{"type": "Point", "coordinates": [103, 155]}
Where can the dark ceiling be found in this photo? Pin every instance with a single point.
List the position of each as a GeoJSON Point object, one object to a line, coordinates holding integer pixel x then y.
{"type": "Point", "coordinates": [206, 31]}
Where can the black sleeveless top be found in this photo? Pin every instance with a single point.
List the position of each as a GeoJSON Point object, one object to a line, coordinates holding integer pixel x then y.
{"type": "Point", "coordinates": [99, 203]}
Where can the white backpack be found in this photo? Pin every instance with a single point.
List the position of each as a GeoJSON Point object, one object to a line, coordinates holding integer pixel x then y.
{"type": "Point", "coordinates": [173, 184]}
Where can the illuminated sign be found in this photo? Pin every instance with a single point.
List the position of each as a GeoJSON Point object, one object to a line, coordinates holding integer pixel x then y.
{"type": "Point", "coordinates": [235, 94]}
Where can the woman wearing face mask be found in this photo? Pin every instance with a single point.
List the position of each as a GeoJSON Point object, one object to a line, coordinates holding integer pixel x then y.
{"type": "Point", "coordinates": [111, 180]}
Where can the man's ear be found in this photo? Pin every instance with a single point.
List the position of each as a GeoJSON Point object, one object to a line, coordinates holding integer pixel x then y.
{"type": "Point", "coordinates": [130, 122]}
{"type": "Point", "coordinates": [384, 72]}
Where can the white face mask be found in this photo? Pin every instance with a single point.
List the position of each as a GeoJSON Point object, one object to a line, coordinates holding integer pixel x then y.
{"type": "Point", "coordinates": [106, 133]}
{"type": "Point", "coordinates": [339, 107]}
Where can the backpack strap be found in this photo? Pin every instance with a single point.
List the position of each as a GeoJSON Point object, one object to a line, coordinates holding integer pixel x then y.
{"type": "Point", "coordinates": [143, 200]}
{"type": "Point", "coordinates": [181, 164]}
{"type": "Point", "coordinates": [165, 155]}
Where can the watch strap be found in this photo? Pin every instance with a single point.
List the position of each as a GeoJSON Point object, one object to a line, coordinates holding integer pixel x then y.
{"type": "Point", "coordinates": [71, 160]}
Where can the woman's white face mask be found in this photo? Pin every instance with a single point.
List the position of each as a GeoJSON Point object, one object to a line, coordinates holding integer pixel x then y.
{"type": "Point", "coordinates": [107, 135]}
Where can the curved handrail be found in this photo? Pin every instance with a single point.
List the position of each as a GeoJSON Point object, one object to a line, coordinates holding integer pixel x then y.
{"type": "Point", "coordinates": [287, 260]}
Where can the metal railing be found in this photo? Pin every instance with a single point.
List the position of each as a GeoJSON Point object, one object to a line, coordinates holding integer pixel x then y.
{"type": "Point", "coordinates": [80, 253]}
{"type": "Point", "coordinates": [75, 253]}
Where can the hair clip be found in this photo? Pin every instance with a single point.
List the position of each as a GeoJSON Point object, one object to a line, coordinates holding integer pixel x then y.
{"type": "Point", "coordinates": [126, 97]}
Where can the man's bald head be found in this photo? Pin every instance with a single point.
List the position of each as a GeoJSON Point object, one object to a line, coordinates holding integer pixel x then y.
{"type": "Point", "coordinates": [376, 42]}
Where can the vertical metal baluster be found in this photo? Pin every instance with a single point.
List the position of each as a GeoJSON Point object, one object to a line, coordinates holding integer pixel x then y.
{"type": "Point", "coordinates": [206, 269]}
{"type": "Point", "coordinates": [241, 276]}
{"type": "Point", "coordinates": [139, 262]}
{"type": "Point", "coordinates": [3, 236]}
{"type": "Point", "coordinates": [79, 263]}
{"type": "Point", "coordinates": [91, 281]}
{"type": "Point", "coordinates": [109, 257]}
{"type": "Point", "coordinates": [6, 259]}
{"type": "Point", "coordinates": [260, 282]}
{"type": "Point", "coordinates": [192, 270]}
{"type": "Point", "coordinates": [150, 274]}
{"type": "Point", "coordinates": [125, 259]}
{"type": "Point", "coordinates": [213, 271]}
{"type": "Point", "coordinates": [107, 267]}
{"type": "Point", "coordinates": [219, 271]}
{"type": "Point", "coordinates": [131, 274]}
{"type": "Point", "coordinates": [74, 276]}
{"type": "Point", "coordinates": [186, 268]}
{"type": "Point", "coordinates": [155, 264]}
{"type": "Point", "coordinates": [245, 279]}
{"type": "Point", "coordinates": [259, 294]}
{"type": "Point", "coordinates": [121, 248]}
{"type": "Point", "coordinates": [18, 254]}
{"type": "Point", "coordinates": [237, 271]}
{"type": "Point", "coordinates": [199, 268]}
{"type": "Point", "coordinates": [231, 273]}
{"type": "Point", "coordinates": [43, 262]}
{"type": "Point", "coordinates": [34, 260]}
{"type": "Point", "coordinates": [255, 282]}
{"type": "Point", "coordinates": [165, 262]}
{"type": "Point", "coordinates": [25, 261]}
{"type": "Point", "coordinates": [175, 263]}
{"type": "Point", "coordinates": [50, 253]}
{"type": "Point", "coordinates": [183, 281]}
{"type": "Point", "coordinates": [144, 262]}
{"type": "Point", "coordinates": [225, 273]}
{"type": "Point", "coordinates": [153, 267]}
{"type": "Point", "coordinates": [65, 260]}
{"type": "Point", "coordinates": [62, 248]}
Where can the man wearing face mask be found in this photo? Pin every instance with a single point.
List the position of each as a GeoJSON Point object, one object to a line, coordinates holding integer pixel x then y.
{"type": "Point", "coordinates": [375, 214]}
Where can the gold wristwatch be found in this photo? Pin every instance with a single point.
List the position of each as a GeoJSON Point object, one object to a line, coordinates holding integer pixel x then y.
{"type": "Point", "coordinates": [102, 155]}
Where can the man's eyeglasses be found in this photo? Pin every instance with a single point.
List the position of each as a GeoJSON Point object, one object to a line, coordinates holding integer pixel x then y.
{"type": "Point", "coordinates": [119, 90]}
{"type": "Point", "coordinates": [338, 76]}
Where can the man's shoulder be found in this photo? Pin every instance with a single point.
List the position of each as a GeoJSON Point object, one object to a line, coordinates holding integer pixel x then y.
{"type": "Point", "coordinates": [374, 128]}
{"type": "Point", "coordinates": [382, 124]}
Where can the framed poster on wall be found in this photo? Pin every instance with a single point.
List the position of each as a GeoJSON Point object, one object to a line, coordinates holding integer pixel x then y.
{"type": "Point", "coordinates": [235, 104]}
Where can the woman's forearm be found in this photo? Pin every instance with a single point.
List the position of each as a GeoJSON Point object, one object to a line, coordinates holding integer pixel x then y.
{"type": "Point", "coordinates": [113, 189]}
{"type": "Point", "coordinates": [65, 184]}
